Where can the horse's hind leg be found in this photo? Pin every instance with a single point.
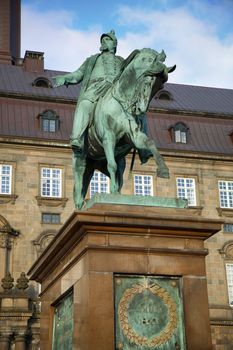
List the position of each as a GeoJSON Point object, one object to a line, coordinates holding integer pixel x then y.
{"type": "Point", "coordinates": [109, 146]}
{"type": "Point", "coordinates": [141, 141]}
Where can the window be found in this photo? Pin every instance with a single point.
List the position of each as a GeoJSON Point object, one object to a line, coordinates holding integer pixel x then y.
{"type": "Point", "coordinates": [226, 194]}
{"type": "Point", "coordinates": [5, 179]}
{"type": "Point", "coordinates": [51, 182]}
{"type": "Point", "coordinates": [163, 95]}
{"type": "Point", "coordinates": [42, 82]}
{"type": "Point", "coordinates": [228, 228]}
{"type": "Point", "coordinates": [231, 135]}
{"type": "Point", "coordinates": [229, 271]}
{"type": "Point", "coordinates": [50, 218]}
{"type": "Point", "coordinates": [99, 183]}
{"type": "Point", "coordinates": [143, 185]}
{"type": "Point", "coordinates": [180, 136]}
{"type": "Point", "coordinates": [49, 121]}
{"type": "Point", "coordinates": [186, 190]}
{"type": "Point", "coordinates": [179, 132]}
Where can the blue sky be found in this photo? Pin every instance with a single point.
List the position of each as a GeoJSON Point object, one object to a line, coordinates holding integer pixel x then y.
{"type": "Point", "coordinates": [197, 35]}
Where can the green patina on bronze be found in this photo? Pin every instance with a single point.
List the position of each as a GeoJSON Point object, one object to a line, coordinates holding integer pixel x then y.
{"type": "Point", "coordinates": [108, 198]}
{"type": "Point", "coordinates": [110, 117]}
{"type": "Point", "coordinates": [63, 324]}
{"type": "Point", "coordinates": [148, 313]}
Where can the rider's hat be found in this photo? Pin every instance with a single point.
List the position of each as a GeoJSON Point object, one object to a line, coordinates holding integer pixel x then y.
{"type": "Point", "coordinates": [111, 35]}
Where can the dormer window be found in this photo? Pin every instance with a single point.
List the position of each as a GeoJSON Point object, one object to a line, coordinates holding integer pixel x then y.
{"type": "Point", "coordinates": [42, 82]}
{"type": "Point", "coordinates": [231, 135]}
{"type": "Point", "coordinates": [49, 121]}
{"type": "Point", "coordinates": [179, 131]}
{"type": "Point", "coordinates": [163, 95]}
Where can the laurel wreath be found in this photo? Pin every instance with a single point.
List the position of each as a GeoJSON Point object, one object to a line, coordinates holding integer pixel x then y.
{"type": "Point", "coordinates": [128, 331]}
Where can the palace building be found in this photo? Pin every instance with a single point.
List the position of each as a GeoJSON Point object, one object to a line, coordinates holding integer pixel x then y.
{"type": "Point", "coordinates": [192, 127]}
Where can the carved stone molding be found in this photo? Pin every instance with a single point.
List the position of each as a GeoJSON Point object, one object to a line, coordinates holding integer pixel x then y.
{"type": "Point", "coordinates": [196, 210]}
{"type": "Point", "coordinates": [8, 198]}
{"type": "Point", "coordinates": [227, 250]}
{"type": "Point", "coordinates": [43, 240]}
{"type": "Point", "coordinates": [225, 212]}
{"type": "Point", "coordinates": [51, 202]}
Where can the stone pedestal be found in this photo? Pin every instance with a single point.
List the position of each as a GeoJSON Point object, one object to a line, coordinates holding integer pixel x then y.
{"type": "Point", "coordinates": [109, 240]}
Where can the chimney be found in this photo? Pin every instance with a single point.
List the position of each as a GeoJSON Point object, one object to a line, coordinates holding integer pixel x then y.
{"type": "Point", "coordinates": [10, 27]}
{"type": "Point", "coordinates": [33, 61]}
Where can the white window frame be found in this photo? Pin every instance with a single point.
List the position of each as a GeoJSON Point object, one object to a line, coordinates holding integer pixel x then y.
{"type": "Point", "coordinates": [189, 192]}
{"type": "Point", "coordinates": [226, 194]}
{"type": "Point", "coordinates": [229, 273]}
{"type": "Point", "coordinates": [99, 183]}
{"type": "Point", "coordinates": [51, 183]}
{"type": "Point", "coordinates": [143, 185]}
{"type": "Point", "coordinates": [180, 136]}
{"type": "Point", "coordinates": [5, 179]}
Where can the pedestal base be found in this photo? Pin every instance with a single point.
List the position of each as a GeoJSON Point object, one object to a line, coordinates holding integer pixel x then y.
{"type": "Point", "coordinates": [109, 242]}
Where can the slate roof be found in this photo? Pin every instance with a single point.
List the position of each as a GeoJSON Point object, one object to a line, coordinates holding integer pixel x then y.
{"type": "Point", "coordinates": [207, 112]}
{"type": "Point", "coordinates": [14, 79]}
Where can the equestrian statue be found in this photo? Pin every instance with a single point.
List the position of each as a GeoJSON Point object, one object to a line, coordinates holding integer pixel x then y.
{"type": "Point", "coordinates": [110, 116]}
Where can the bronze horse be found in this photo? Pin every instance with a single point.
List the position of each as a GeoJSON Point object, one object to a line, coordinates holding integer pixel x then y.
{"type": "Point", "coordinates": [115, 128]}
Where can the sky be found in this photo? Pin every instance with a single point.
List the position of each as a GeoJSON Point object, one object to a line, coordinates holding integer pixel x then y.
{"type": "Point", "coordinates": [197, 35]}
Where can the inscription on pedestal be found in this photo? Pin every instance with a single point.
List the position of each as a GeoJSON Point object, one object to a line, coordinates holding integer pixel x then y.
{"type": "Point", "coordinates": [148, 313]}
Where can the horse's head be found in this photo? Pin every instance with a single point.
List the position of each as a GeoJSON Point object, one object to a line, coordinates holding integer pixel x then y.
{"type": "Point", "coordinates": [143, 75]}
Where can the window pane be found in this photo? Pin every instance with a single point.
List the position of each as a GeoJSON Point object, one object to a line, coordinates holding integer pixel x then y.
{"type": "Point", "coordinates": [46, 218]}
{"type": "Point", "coordinates": [5, 178]}
{"type": "Point", "coordinates": [229, 270]}
{"type": "Point", "coordinates": [49, 122]}
{"type": "Point", "coordinates": [186, 190]}
{"type": "Point", "coordinates": [52, 125]}
{"type": "Point", "coordinates": [50, 218]}
{"type": "Point", "coordinates": [51, 182]}
{"type": "Point", "coordinates": [45, 124]}
{"type": "Point", "coordinates": [99, 183]}
{"type": "Point", "coordinates": [228, 228]}
{"type": "Point", "coordinates": [143, 185]}
{"type": "Point", "coordinates": [177, 136]}
{"type": "Point", "coordinates": [226, 194]}
{"type": "Point", "coordinates": [183, 136]}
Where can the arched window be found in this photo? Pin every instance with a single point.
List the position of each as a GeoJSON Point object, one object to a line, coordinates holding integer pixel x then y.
{"type": "Point", "coordinates": [164, 95]}
{"type": "Point", "coordinates": [49, 121]}
{"type": "Point", "coordinates": [42, 82]}
{"type": "Point", "coordinates": [179, 132]}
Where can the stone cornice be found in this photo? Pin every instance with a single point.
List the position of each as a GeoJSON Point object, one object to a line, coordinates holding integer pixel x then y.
{"type": "Point", "coordinates": [189, 113]}
{"type": "Point", "coordinates": [18, 142]}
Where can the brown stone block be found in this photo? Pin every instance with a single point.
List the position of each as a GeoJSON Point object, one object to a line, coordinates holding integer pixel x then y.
{"type": "Point", "coordinates": [196, 313]}
{"type": "Point", "coordinates": [96, 239]}
{"type": "Point", "coordinates": [118, 261]}
{"type": "Point", "coordinates": [176, 264]}
{"type": "Point", "coordinates": [94, 310]}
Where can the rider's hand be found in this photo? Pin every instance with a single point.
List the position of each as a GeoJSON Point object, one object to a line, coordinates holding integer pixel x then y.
{"type": "Point", "coordinates": [59, 80]}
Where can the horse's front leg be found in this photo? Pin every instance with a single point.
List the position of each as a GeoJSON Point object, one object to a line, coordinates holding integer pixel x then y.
{"type": "Point", "coordinates": [79, 165]}
{"type": "Point", "coordinates": [109, 146]}
{"type": "Point", "coordinates": [141, 141]}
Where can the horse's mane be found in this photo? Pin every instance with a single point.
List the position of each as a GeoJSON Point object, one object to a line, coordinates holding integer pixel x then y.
{"type": "Point", "coordinates": [128, 98]}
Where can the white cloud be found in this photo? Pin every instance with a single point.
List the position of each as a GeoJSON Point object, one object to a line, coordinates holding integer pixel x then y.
{"type": "Point", "coordinates": [193, 44]}
{"type": "Point", "coordinates": [65, 48]}
{"type": "Point", "coordinates": [201, 57]}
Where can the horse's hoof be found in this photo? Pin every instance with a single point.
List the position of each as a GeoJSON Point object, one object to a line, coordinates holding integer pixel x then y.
{"type": "Point", "coordinates": [79, 206]}
{"type": "Point", "coordinates": [163, 173]}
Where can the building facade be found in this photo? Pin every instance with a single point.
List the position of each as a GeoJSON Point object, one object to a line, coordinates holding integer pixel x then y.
{"type": "Point", "coordinates": [193, 128]}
